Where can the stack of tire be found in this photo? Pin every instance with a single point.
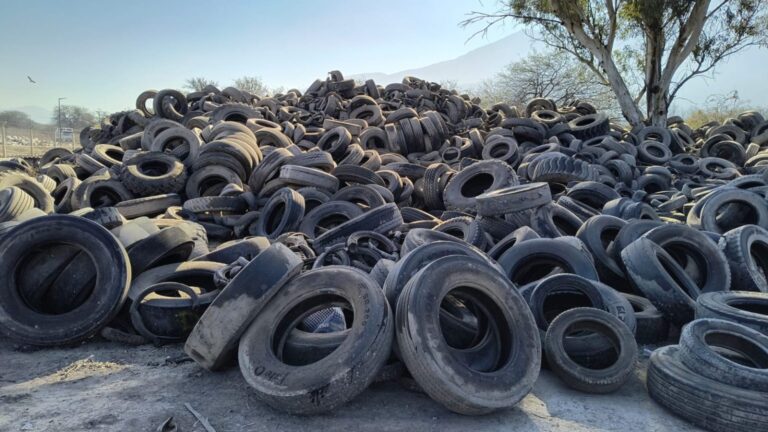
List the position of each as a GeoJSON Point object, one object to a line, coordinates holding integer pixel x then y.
{"type": "Point", "coordinates": [228, 222]}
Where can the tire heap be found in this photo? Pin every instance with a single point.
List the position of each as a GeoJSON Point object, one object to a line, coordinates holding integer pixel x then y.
{"type": "Point", "coordinates": [351, 234]}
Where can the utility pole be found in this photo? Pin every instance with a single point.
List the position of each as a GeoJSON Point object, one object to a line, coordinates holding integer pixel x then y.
{"type": "Point", "coordinates": [4, 139]}
{"type": "Point", "coordinates": [59, 137]}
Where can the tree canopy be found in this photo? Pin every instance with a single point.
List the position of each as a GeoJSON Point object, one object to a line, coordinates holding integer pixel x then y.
{"type": "Point", "coordinates": [645, 50]}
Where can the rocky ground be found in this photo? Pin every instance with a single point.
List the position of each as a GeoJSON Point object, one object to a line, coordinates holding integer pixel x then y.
{"type": "Point", "coordinates": [109, 387]}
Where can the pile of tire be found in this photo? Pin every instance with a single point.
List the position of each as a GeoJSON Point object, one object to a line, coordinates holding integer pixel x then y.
{"type": "Point", "coordinates": [349, 234]}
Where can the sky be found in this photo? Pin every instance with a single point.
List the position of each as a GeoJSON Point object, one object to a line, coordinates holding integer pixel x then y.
{"type": "Point", "coordinates": [102, 54]}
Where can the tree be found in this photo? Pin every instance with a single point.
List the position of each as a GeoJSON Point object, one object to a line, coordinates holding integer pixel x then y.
{"type": "Point", "coordinates": [620, 39]}
{"type": "Point", "coordinates": [252, 84]}
{"type": "Point", "coordinates": [16, 119]}
{"type": "Point", "coordinates": [719, 108]}
{"type": "Point", "coordinates": [73, 116]}
{"type": "Point", "coordinates": [552, 75]}
{"type": "Point", "coordinates": [197, 84]}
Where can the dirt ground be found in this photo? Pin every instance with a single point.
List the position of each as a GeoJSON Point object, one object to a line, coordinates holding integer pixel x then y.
{"type": "Point", "coordinates": [104, 386]}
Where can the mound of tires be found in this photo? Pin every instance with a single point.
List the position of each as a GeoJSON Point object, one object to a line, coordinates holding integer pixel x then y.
{"type": "Point", "coordinates": [350, 234]}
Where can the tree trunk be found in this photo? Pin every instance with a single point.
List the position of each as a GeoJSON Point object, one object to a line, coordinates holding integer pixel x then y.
{"type": "Point", "coordinates": [657, 92]}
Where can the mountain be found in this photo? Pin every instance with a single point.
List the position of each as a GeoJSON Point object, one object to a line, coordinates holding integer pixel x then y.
{"type": "Point", "coordinates": [468, 70]}
{"type": "Point", "coordinates": [742, 73]}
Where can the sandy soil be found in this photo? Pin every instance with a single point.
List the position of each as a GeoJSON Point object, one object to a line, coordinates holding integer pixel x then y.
{"type": "Point", "coordinates": [104, 386]}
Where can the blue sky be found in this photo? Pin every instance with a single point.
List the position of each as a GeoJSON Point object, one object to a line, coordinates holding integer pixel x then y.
{"type": "Point", "coordinates": [102, 54]}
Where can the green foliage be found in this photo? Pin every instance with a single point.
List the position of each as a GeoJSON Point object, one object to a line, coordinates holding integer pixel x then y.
{"type": "Point", "coordinates": [197, 84]}
{"type": "Point", "coordinates": [73, 116]}
{"type": "Point", "coordinates": [16, 119]}
{"type": "Point", "coordinates": [553, 75]}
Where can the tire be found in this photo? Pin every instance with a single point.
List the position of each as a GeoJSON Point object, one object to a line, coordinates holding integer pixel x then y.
{"type": "Point", "coordinates": [597, 233]}
{"type": "Point", "coordinates": [344, 373]}
{"type": "Point", "coordinates": [381, 220]}
{"type": "Point", "coordinates": [437, 367]}
{"type": "Point", "coordinates": [282, 213]}
{"type": "Point", "coordinates": [328, 216]}
{"type": "Point", "coordinates": [703, 402]}
{"type": "Point", "coordinates": [709, 211]}
{"type": "Point", "coordinates": [553, 220]}
{"type": "Point", "coordinates": [153, 173]}
{"type": "Point", "coordinates": [421, 256]}
{"type": "Point", "coordinates": [703, 260]}
{"type": "Point", "coordinates": [213, 341]}
{"type": "Point", "coordinates": [661, 279]}
{"type": "Point", "coordinates": [576, 376]}
{"type": "Point", "coordinates": [742, 307]}
{"type": "Point", "coordinates": [562, 169]}
{"type": "Point", "coordinates": [464, 228]}
{"type": "Point", "coordinates": [109, 290]}
{"type": "Point", "coordinates": [420, 236]}
{"type": "Point", "coordinates": [108, 217]}
{"type": "Point", "coordinates": [229, 252]}
{"type": "Point", "coordinates": [14, 202]}
{"type": "Point", "coordinates": [32, 187]}
{"type": "Point", "coordinates": [147, 206]}
{"type": "Point", "coordinates": [463, 188]}
{"type": "Point", "coordinates": [651, 328]}
{"type": "Point", "coordinates": [302, 176]}
{"type": "Point", "coordinates": [696, 351]}
{"type": "Point", "coordinates": [170, 245]}
{"type": "Point", "coordinates": [589, 126]}
{"type": "Point", "coordinates": [746, 249]}
{"type": "Point", "coordinates": [519, 235]}
{"type": "Point", "coordinates": [535, 259]}
{"type": "Point", "coordinates": [513, 199]}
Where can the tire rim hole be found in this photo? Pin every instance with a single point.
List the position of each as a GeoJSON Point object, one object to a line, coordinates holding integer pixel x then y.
{"type": "Point", "coordinates": [601, 335]}
{"type": "Point", "coordinates": [737, 349]}
{"type": "Point", "coordinates": [315, 308]}
{"type": "Point", "coordinates": [476, 185]}
{"type": "Point", "coordinates": [558, 302]}
{"type": "Point", "coordinates": [62, 290]}
{"type": "Point", "coordinates": [759, 253]}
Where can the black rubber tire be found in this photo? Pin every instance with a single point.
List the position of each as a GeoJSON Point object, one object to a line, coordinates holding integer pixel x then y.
{"type": "Point", "coordinates": [661, 279]}
{"type": "Point", "coordinates": [153, 173]}
{"type": "Point", "coordinates": [147, 206]}
{"type": "Point", "coordinates": [562, 169]}
{"type": "Point", "coordinates": [709, 211]}
{"type": "Point", "coordinates": [698, 340]}
{"type": "Point", "coordinates": [437, 367]}
{"type": "Point", "coordinates": [585, 379]}
{"type": "Point", "coordinates": [229, 252]}
{"type": "Point", "coordinates": [32, 187]}
{"type": "Point", "coordinates": [746, 249]}
{"type": "Point", "coordinates": [108, 217]}
{"type": "Point", "coordinates": [651, 328]}
{"type": "Point", "coordinates": [380, 219]}
{"type": "Point", "coordinates": [553, 220]}
{"type": "Point", "coordinates": [303, 176]}
{"type": "Point", "coordinates": [170, 245]}
{"type": "Point", "coordinates": [597, 233]}
{"type": "Point", "coordinates": [328, 216]}
{"type": "Point", "coordinates": [705, 403]}
{"type": "Point", "coordinates": [213, 341]}
{"type": "Point", "coordinates": [419, 236]}
{"type": "Point", "coordinates": [710, 268]}
{"type": "Point", "coordinates": [743, 307]}
{"type": "Point", "coordinates": [520, 262]}
{"type": "Point", "coordinates": [464, 228]}
{"type": "Point", "coordinates": [480, 177]}
{"type": "Point", "coordinates": [109, 291]}
{"type": "Point", "coordinates": [282, 213]}
{"type": "Point", "coordinates": [513, 199]}
{"type": "Point", "coordinates": [14, 202]}
{"type": "Point", "coordinates": [589, 126]}
{"type": "Point", "coordinates": [334, 380]}
{"type": "Point", "coordinates": [519, 235]}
